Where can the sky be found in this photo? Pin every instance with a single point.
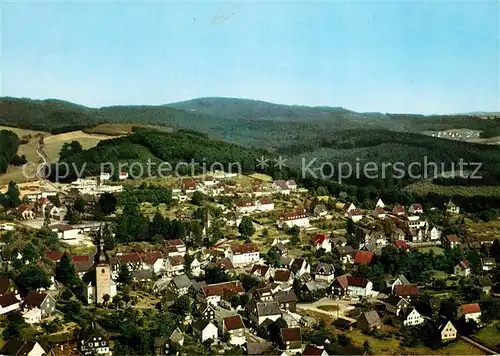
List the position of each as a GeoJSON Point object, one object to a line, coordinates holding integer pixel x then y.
{"type": "Point", "coordinates": [384, 56]}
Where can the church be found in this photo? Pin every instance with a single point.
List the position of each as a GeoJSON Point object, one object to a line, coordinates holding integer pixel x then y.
{"type": "Point", "coordinates": [98, 279]}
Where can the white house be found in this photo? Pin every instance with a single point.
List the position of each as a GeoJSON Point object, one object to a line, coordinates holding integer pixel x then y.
{"type": "Point", "coordinates": [414, 222]}
{"type": "Point", "coordinates": [380, 204]}
{"type": "Point", "coordinates": [379, 213]}
{"type": "Point", "coordinates": [448, 331]}
{"type": "Point", "coordinates": [462, 269]}
{"type": "Point", "coordinates": [322, 241]}
{"type": "Point", "coordinates": [347, 208]}
{"type": "Point", "coordinates": [325, 273]}
{"type": "Point", "coordinates": [206, 330]}
{"type": "Point", "coordinates": [355, 215]}
{"type": "Point", "coordinates": [196, 267]}
{"type": "Point", "coordinates": [18, 347]}
{"type": "Point", "coordinates": [451, 208]}
{"type": "Point", "coordinates": [243, 254]}
{"type": "Point", "coordinates": [33, 316]}
{"type": "Point", "coordinates": [299, 219]}
{"type": "Point", "coordinates": [413, 317]}
{"type": "Point", "coordinates": [415, 209]}
{"type": "Point", "coordinates": [213, 292]}
{"type": "Point", "coordinates": [470, 312]}
{"type": "Point", "coordinates": [434, 234]}
{"type": "Point", "coordinates": [401, 280]}
{"type": "Point", "coordinates": [236, 329]}
{"type": "Point", "coordinates": [65, 232]}
{"type": "Point", "coordinates": [246, 207]}
{"type": "Point", "coordinates": [264, 205]}
{"type": "Point", "coordinates": [352, 286]}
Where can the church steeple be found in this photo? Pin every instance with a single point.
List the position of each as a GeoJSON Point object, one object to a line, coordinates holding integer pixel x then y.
{"type": "Point", "coordinates": [101, 256]}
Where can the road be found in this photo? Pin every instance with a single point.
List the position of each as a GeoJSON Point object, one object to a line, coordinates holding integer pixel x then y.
{"type": "Point", "coordinates": [479, 346]}
{"type": "Point", "coordinates": [343, 306]}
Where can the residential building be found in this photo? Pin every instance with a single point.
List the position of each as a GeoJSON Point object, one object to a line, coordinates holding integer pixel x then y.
{"type": "Point", "coordinates": [322, 241]}
{"type": "Point", "coordinates": [311, 350]}
{"type": "Point", "coordinates": [380, 204]}
{"type": "Point", "coordinates": [352, 286]}
{"type": "Point", "coordinates": [8, 303]}
{"type": "Point", "coordinates": [180, 285]}
{"type": "Point", "coordinates": [43, 301]}
{"type": "Point", "coordinates": [205, 330]}
{"type": "Point", "coordinates": [207, 311]}
{"type": "Point", "coordinates": [287, 300]}
{"type": "Point", "coordinates": [300, 266]}
{"type": "Point", "coordinates": [325, 273]}
{"type": "Point", "coordinates": [65, 232]}
{"type": "Point", "coordinates": [462, 269]}
{"type": "Point", "coordinates": [259, 311]}
{"type": "Point", "coordinates": [408, 291]}
{"type": "Point", "coordinates": [434, 234]}
{"type": "Point", "coordinates": [451, 208]}
{"type": "Point", "coordinates": [16, 347]}
{"type": "Point", "coordinates": [213, 293]}
{"type": "Point", "coordinates": [348, 207]}
{"type": "Point", "coordinates": [451, 241]}
{"type": "Point", "coordinates": [261, 271]}
{"type": "Point", "coordinates": [7, 286]}
{"type": "Point", "coordinates": [485, 283]}
{"type": "Point", "coordinates": [291, 340]}
{"type": "Point", "coordinates": [400, 280]}
{"type": "Point", "coordinates": [32, 316]}
{"type": "Point", "coordinates": [243, 254]}
{"type": "Point", "coordinates": [363, 257]}
{"type": "Point", "coordinates": [320, 210]}
{"type": "Point", "coordinates": [289, 220]}
{"type": "Point", "coordinates": [283, 275]}
{"type": "Point", "coordinates": [379, 213]}
{"type": "Point", "coordinates": [488, 264]}
{"type": "Point", "coordinates": [355, 215]}
{"type": "Point", "coordinates": [448, 331]}
{"type": "Point", "coordinates": [236, 329]}
{"type": "Point", "coordinates": [413, 317]}
{"type": "Point", "coordinates": [470, 312]}
{"type": "Point", "coordinates": [396, 305]}
{"type": "Point", "coordinates": [196, 268]}
{"type": "Point", "coordinates": [416, 209]}
{"type": "Point", "coordinates": [94, 340]}
{"type": "Point", "coordinates": [398, 210]}
{"type": "Point", "coordinates": [369, 320]}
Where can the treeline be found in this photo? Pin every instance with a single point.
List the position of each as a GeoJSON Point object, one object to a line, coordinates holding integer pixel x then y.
{"type": "Point", "coordinates": [9, 144]}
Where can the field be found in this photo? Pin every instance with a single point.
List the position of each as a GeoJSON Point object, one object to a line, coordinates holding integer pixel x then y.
{"type": "Point", "coordinates": [118, 129]}
{"type": "Point", "coordinates": [391, 346]}
{"type": "Point", "coordinates": [423, 188]}
{"type": "Point", "coordinates": [489, 336]}
{"type": "Point", "coordinates": [53, 144]}
{"type": "Point", "coordinates": [483, 230]}
{"type": "Point", "coordinates": [437, 250]}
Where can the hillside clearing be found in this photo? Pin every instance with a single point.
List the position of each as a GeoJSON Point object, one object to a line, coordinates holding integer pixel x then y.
{"type": "Point", "coordinates": [424, 188]}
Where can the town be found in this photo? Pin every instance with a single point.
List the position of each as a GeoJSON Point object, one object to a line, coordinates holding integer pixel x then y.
{"type": "Point", "coordinates": [239, 264]}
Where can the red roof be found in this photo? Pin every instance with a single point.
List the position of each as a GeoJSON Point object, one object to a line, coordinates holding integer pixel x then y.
{"type": "Point", "coordinates": [379, 211]}
{"type": "Point", "coordinates": [342, 281]}
{"type": "Point", "coordinates": [261, 269]}
{"type": "Point", "coordinates": [224, 263]}
{"type": "Point", "coordinates": [293, 216]}
{"type": "Point", "coordinates": [80, 258]}
{"type": "Point", "coordinates": [43, 201]}
{"type": "Point", "coordinates": [311, 350]}
{"type": "Point", "coordinates": [319, 239]}
{"type": "Point", "coordinates": [266, 201]}
{"type": "Point", "coordinates": [416, 207]}
{"type": "Point", "coordinates": [220, 289]}
{"type": "Point", "coordinates": [357, 281]}
{"type": "Point", "coordinates": [24, 207]}
{"type": "Point", "coordinates": [407, 290]}
{"type": "Point", "coordinates": [355, 212]}
{"type": "Point", "coordinates": [470, 308]}
{"type": "Point", "coordinates": [53, 255]}
{"type": "Point", "coordinates": [132, 257]}
{"type": "Point", "coordinates": [189, 183]}
{"type": "Point", "coordinates": [233, 323]}
{"type": "Point", "coordinates": [244, 248]}
{"type": "Point", "coordinates": [176, 242]}
{"type": "Point", "coordinates": [398, 209]}
{"type": "Point", "coordinates": [291, 334]}
{"type": "Point", "coordinates": [452, 238]}
{"type": "Point", "coordinates": [401, 244]}
{"type": "Point", "coordinates": [363, 257]}
{"type": "Point", "coordinates": [290, 182]}
{"type": "Point", "coordinates": [176, 260]}
{"type": "Point", "coordinates": [151, 257]}
{"type": "Point", "coordinates": [244, 204]}
{"type": "Point", "coordinates": [282, 275]}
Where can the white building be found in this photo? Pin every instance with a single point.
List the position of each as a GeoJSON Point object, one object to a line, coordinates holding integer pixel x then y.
{"type": "Point", "coordinates": [8, 303]}
{"type": "Point", "coordinates": [299, 219]}
{"type": "Point", "coordinates": [434, 234]}
{"type": "Point", "coordinates": [380, 204]}
{"type": "Point", "coordinates": [470, 312]}
{"type": "Point", "coordinates": [243, 254]}
{"type": "Point", "coordinates": [33, 316]}
{"type": "Point", "coordinates": [413, 318]}
{"type": "Point", "coordinates": [322, 241]}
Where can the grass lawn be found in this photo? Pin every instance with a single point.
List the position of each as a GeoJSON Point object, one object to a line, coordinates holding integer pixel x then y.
{"type": "Point", "coordinates": [437, 250]}
{"type": "Point", "coordinates": [489, 335]}
{"type": "Point", "coordinates": [328, 307]}
{"type": "Point", "coordinates": [262, 177]}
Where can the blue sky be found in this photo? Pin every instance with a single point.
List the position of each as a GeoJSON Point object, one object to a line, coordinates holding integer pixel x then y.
{"type": "Point", "coordinates": [394, 56]}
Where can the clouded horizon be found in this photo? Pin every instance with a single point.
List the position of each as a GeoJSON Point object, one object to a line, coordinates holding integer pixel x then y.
{"type": "Point", "coordinates": [418, 57]}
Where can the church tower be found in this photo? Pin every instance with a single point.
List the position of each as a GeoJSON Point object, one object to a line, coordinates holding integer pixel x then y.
{"type": "Point", "coordinates": [102, 272]}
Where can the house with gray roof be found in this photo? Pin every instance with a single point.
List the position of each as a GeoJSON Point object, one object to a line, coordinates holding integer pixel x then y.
{"type": "Point", "coordinates": [258, 311]}
{"type": "Point", "coordinates": [369, 320]}
{"type": "Point", "coordinates": [180, 285]}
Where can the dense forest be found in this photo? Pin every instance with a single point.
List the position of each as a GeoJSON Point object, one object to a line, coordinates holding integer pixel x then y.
{"type": "Point", "coordinates": [9, 144]}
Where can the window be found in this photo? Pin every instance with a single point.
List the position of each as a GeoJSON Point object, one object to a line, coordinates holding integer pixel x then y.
{"type": "Point", "coordinates": [103, 270]}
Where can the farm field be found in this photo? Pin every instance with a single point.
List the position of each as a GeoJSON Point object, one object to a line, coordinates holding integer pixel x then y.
{"type": "Point", "coordinates": [489, 336]}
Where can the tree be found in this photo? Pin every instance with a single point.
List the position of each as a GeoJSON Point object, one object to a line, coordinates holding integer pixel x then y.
{"type": "Point", "coordinates": [106, 204]}
{"type": "Point", "coordinates": [72, 217]}
{"type": "Point", "coordinates": [31, 278]}
{"type": "Point", "coordinates": [124, 275]}
{"type": "Point", "coordinates": [272, 258]}
{"type": "Point", "coordinates": [79, 205]}
{"type": "Point", "coordinates": [226, 337]}
{"type": "Point", "coordinates": [29, 253]}
{"type": "Point", "coordinates": [106, 298]}
{"type": "Point", "coordinates": [69, 149]}
{"type": "Point", "coordinates": [495, 250]}
{"type": "Point", "coordinates": [157, 226]}
{"type": "Point", "coordinates": [197, 198]}
{"type": "Point", "coordinates": [65, 271]}
{"type": "Point", "coordinates": [182, 305]}
{"type": "Point", "coordinates": [366, 347]}
{"type": "Point", "coordinates": [108, 237]}
{"type": "Point", "coordinates": [12, 197]}
{"type": "Point", "coordinates": [246, 228]}
{"type": "Point", "coordinates": [56, 200]}
{"type": "Point", "coordinates": [15, 323]}
{"type": "Point", "coordinates": [215, 275]}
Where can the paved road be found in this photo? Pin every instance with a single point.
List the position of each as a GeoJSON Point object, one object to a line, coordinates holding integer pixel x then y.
{"type": "Point", "coordinates": [479, 346]}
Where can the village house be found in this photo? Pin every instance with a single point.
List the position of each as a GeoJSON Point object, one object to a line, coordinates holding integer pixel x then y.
{"type": "Point", "coordinates": [396, 305]}
{"type": "Point", "coordinates": [263, 294]}
{"type": "Point", "coordinates": [485, 283]}
{"type": "Point", "coordinates": [205, 330]}
{"type": "Point", "coordinates": [180, 285]}
{"type": "Point", "coordinates": [462, 269]}
{"type": "Point", "coordinates": [289, 220]}
{"type": "Point", "coordinates": [43, 301]}
{"type": "Point", "coordinates": [348, 207]}
{"type": "Point", "coordinates": [299, 267]}
{"type": "Point", "coordinates": [236, 329]}
{"type": "Point", "coordinates": [283, 276]}
{"type": "Point", "coordinates": [380, 204]}
{"type": "Point", "coordinates": [243, 254]}
{"type": "Point", "coordinates": [311, 350]}
{"type": "Point", "coordinates": [195, 268]}
{"type": "Point", "coordinates": [261, 271]}
{"type": "Point", "coordinates": [412, 317]}
{"type": "Point", "coordinates": [178, 244]}
{"type": "Point", "coordinates": [448, 331]}
{"type": "Point", "coordinates": [352, 286]}
{"type": "Point", "coordinates": [7, 286]}
{"type": "Point", "coordinates": [287, 300]}
{"type": "Point", "coordinates": [280, 248]}
{"type": "Point", "coordinates": [379, 213]}
{"type": "Point", "coordinates": [14, 347]}
{"type": "Point", "coordinates": [415, 235]}
{"type": "Point", "coordinates": [414, 222]}
{"type": "Point", "coordinates": [162, 343]}
{"type": "Point", "coordinates": [320, 210]}
{"type": "Point", "coordinates": [65, 232]}
{"type": "Point", "coordinates": [369, 320]}
{"type": "Point", "coordinates": [213, 293]}
{"type": "Point", "coordinates": [409, 292]}
{"type": "Point", "coordinates": [258, 311]}
{"type": "Point", "coordinates": [399, 281]}
{"type": "Point", "coordinates": [363, 257]}
{"type": "Point", "coordinates": [398, 210]}
{"type": "Point", "coordinates": [401, 244]}
{"type": "Point", "coordinates": [174, 265]}
{"type": "Point", "coordinates": [290, 340]}
{"type": "Point", "coordinates": [488, 264]}
{"type": "Point", "coordinates": [451, 208]}
{"type": "Point", "coordinates": [94, 340]}
{"type": "Point", "coordinates": [398, 234]}
{"type": "Point", "coordinates": [325, 273]}
{"type": "Point", "coordinates": [470, 312]}
{"type": "Point", "coordinates": [207, 311]}
{"type": "Point", "coordinates": [451, 241]}
{"type": "Point", "coordinates": [322, 241]}
{"type": "Point", "coordinates": [8, 303]}
{"type": "Point", "coordinates": [355, 215]}
{"type": "Point", "coordinates": [32, 316]}
{"type": "Point", "coordinates": [415, 209]}
{"type": "Point", "coordinates": [434, 234]}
